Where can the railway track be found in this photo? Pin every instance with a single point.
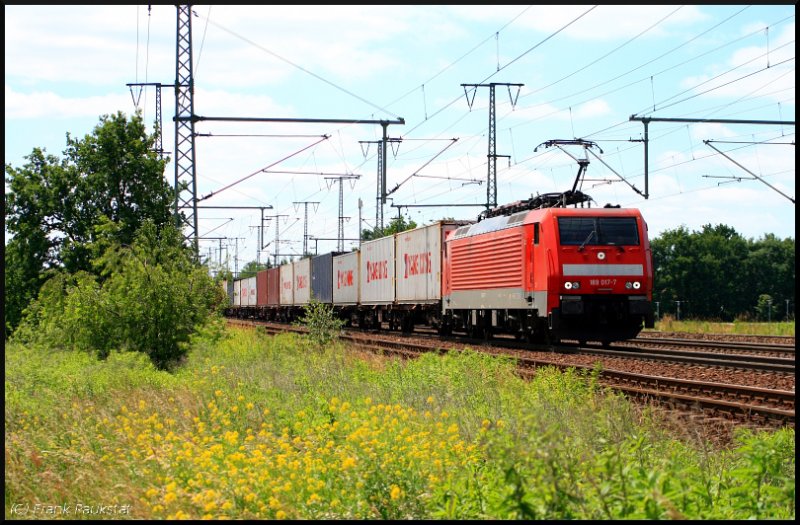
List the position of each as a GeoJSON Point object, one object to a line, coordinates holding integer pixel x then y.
{"type": "Point", "coordinates": [728, 360]}
{"type": "Point", "coordinates": [752, 405]}
{"type": "Point", "coordinates": [786, 350]}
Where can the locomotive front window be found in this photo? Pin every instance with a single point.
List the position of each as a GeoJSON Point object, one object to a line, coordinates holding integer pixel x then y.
{"type": "Point", "coordinates": [598, 231]}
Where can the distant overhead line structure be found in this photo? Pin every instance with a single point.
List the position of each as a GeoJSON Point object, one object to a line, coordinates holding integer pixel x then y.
{"type": "Point", "coordinates": [185, 119]}
{"type": "Point", "coordinates": [648, 120]}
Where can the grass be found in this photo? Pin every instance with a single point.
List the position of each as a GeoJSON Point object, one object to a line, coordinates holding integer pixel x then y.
{"type": "Point", "coordinates": [275, 428]}
{"type": "Point", "coordinates": [669, 324]}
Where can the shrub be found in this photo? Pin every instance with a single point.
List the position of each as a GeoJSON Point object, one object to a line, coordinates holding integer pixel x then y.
{"type": "Point", "coordinates": [321, 321]}
{"type": "Point", "coordinates": [152, 299]}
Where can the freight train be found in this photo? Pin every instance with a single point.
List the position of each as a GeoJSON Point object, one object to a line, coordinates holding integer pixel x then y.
{"type": "Point", "coordinates": [535, 269]}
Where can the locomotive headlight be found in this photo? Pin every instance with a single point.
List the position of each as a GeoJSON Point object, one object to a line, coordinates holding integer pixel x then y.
{"type": "Point", "coordinates": [628, 285]}
{"type": "Point", "coordinates": [576, 285]}
{"type": "Point", "coordinates": [568, 285]}
{"type": "Point", "coordinates": [637, 285]}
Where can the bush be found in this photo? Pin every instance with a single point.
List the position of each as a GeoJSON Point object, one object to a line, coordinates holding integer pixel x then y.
{"type": "Point", "coordinates": [152, 299]}
{"type": "Point", "coordinates": [321, 321]}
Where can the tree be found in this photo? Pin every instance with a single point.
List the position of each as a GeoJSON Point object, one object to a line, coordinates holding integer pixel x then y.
{"type": "Point", "coordinates": [252, 268]}
{"type": "Point", "coordinates": [765, 308]}
{"type": "Point", "coordinates": [53, 206]}
{"type": "Point", "coordinates": [770, 270]}
{"type": "Point", "coordinates": [396, 225]}
{"type": "Point", "coordinates": [149, 297]}
{"type": "Point", "coordinates": [719, 273]}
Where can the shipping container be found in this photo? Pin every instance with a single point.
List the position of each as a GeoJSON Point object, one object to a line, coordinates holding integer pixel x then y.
{"type": "Point", "coordinates": [244, 296]}
{"type": "Point", "coordinates": [286, 283]}
{"type": "Point", "coordinates": [274, 286]}
{"type": "Point", "coordinates": [251, 292]}
{"type": "Point", "coordinates": [261, 288]}
{"type": "Point", "coordinates": [302, 281]}
{"type": "Point", "coordinates": [322, 277]}
{"type": "Point", "coordinates": [376, 271]}
{"type": "Point", "coordinates": [345, 278]}
{"type": "Point", "coordinates": [419, 262]}
{"type": "Point", "coordinates": [227, 287]}
{"type": "Point", "coordinates": [237, 292]}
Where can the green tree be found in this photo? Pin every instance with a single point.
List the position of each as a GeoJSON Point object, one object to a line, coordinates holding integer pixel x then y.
{"type": "Point", "coordinates": [770, 270]}
{"type": "Point", "coordinates": [149, 297]}
{"type": "Point", "coordinates": [765, 308]}
{"type": "Point", "coordinates": [396, 225]}
{"type": "Point", "coordinates": [53, 206]}
{"type": "Point", "coordinates": [719, 274]}
{"type": "Point", "coordinates": [252, 268]}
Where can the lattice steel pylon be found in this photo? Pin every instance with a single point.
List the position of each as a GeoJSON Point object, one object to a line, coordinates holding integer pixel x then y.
{"type": "Point", "coordinates": [491, 157]}
{"type": "Point", "coordinates": [185, 170]}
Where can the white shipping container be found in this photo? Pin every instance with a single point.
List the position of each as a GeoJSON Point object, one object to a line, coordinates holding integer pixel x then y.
{"type": "Point", "coordinates": [250, 300]}
{"type": "Point", "coordinates": [302, 281]}
{"type": "Point", "coordinates": [345, 278]}
{"type": "Point", "coordinates": [237, 292]}
{"type": "Point", "coordinates": [419, 262]}
{"type": "Point", "coordinates": [376, 271]}
{"type": "Point", "coordinates": [287, 288]}
{"type": "Point", "coordinates": [243, 296]}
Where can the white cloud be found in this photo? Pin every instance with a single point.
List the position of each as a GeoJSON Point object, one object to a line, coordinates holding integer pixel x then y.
{"type": "Point", "coordinates": [52, 106]}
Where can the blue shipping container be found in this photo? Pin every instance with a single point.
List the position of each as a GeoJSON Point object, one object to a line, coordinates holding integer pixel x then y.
{"type": "Point", "coordinates": [322, 277]}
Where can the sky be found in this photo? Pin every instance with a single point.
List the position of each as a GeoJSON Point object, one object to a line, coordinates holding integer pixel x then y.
{"type": "Point", "coordinates": [557, 73]}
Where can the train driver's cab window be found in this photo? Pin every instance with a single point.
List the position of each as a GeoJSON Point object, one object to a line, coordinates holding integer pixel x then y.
{"type": "Point", "coordinates": [598, 231]}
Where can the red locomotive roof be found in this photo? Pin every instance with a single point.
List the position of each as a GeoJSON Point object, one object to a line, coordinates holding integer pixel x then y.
{"type": "Point", "coordinates": [531, 216]}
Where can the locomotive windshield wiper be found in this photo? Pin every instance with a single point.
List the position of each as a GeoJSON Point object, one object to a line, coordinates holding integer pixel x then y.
{"type": "Point", "coordinates": [591, 233]}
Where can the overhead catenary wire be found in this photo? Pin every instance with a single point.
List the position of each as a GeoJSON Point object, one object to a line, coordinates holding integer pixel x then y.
{"type": "Point", "coordinates": [430, 117]}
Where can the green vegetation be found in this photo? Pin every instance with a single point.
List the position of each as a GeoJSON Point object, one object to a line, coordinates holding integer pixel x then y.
{"type": "Point", "coordinates": [396, 225]}
{"type": "Point", "coordinates": [322, 324]}
{"type": "Point", "coordinates": [716, 274]}
{"type": "Point", "coordinates": [58, 212]}
{"type": "Point", "coordinates": [151, 298]}
{"type": "Point", "coordinates": [254, 427]}
{"type": "Point", "coordinates": [669, 324]}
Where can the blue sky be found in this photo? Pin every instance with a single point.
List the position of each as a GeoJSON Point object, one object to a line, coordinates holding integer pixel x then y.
{"type": "Point", "coordinates": [585, 70]}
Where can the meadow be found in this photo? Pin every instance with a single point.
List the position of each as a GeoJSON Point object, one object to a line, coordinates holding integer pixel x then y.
{"type": "Point", "coordinates": [255, 426]}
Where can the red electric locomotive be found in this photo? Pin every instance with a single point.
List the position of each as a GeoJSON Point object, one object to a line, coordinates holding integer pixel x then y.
{"type": "Point", "coordinates": [550, 273]}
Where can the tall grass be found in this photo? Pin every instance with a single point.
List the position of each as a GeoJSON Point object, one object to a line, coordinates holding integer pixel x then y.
{"type": "Point", "coordinates": [669, 324]}
{"type": "Point", "coordinates": [275, 428]}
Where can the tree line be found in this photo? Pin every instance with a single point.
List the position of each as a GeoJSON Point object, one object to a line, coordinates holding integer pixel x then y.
{"type": "Point", "coordinates": [715, 273]}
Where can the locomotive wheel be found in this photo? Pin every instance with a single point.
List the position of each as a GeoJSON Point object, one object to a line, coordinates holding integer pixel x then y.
{"type": "Point", "coordinates": [474, 331]}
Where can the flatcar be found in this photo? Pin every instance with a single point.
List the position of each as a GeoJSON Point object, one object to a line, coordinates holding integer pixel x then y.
{"type": "Point", "coordinates": [538, 271]}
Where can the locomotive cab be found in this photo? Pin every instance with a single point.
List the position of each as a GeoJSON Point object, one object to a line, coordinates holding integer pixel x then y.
{"type": "Point", "coordinates": [604, 287]}
{"type": "Point", "coordinates": [549, 274]}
